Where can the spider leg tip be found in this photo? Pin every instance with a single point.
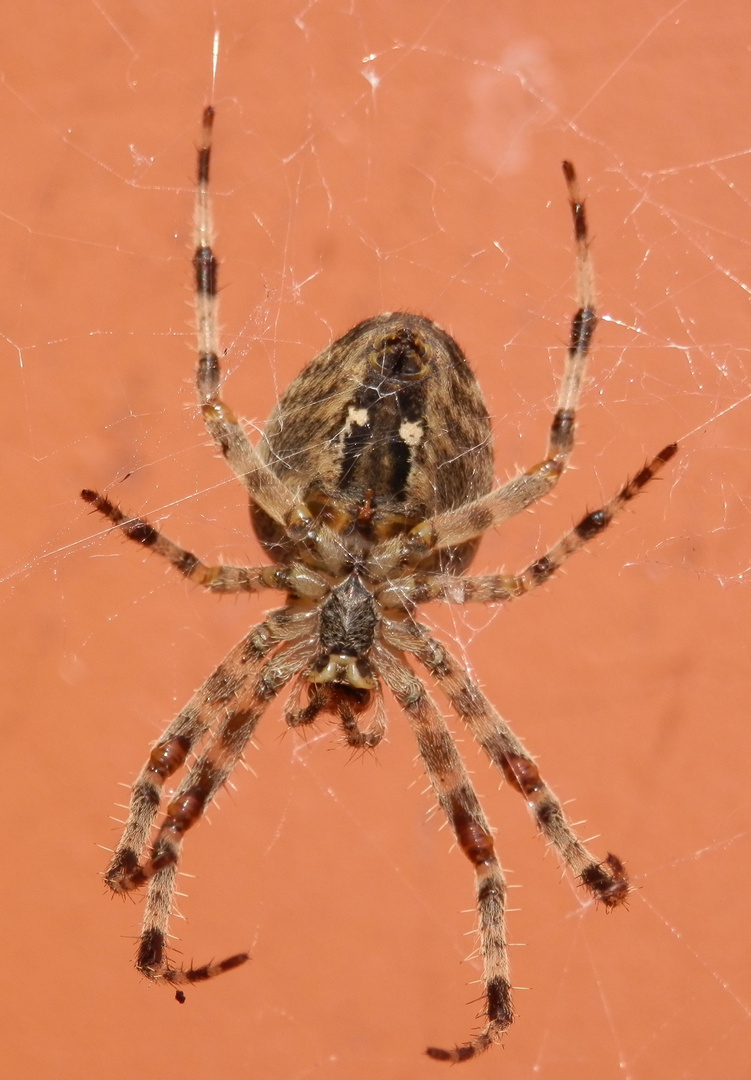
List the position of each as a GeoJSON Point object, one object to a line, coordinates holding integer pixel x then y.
{"type": "Point", "coordinates": [437, 1054]}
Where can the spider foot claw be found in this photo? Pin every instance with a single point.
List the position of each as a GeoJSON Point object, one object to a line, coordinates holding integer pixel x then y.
{"type": "Point", "coordinates": [190, 976]}
{"type": "Point", "coordinates": [607, 881]}
{"type": "Point", "coordinates": [489, 1036]}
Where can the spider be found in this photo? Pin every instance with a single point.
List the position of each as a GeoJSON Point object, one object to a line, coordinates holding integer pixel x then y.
{"type": "Point", "coordinates": [369, 490]}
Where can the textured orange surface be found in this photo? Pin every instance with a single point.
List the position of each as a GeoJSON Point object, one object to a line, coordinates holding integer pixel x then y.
{"type": "Point", "coordinates": [377, 156]}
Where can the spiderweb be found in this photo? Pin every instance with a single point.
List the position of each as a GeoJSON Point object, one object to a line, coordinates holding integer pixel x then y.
{"type": "Point", "coordinates": [372, 157]}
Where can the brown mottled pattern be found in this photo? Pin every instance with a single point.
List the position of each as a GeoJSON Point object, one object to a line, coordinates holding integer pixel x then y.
{"type": "Point", "coordinates": [369, 492]}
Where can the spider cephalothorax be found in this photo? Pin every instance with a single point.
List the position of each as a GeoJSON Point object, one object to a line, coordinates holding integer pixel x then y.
{"type": "Point", "coordinates": [369, 491]}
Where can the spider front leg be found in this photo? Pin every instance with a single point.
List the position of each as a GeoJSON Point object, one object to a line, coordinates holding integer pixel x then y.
{"type": "Point", "coordinates": [207, 775]}
{"type": "Point", "coordinates": [459, 802]}
{"type": "Point", "coordinates": [605, 879]}
{"type": "Point", "coordinates": [207, 706]}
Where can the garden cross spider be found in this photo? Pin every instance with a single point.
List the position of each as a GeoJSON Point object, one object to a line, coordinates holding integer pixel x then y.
{"type": "Point", "coordinates": [369, 490]}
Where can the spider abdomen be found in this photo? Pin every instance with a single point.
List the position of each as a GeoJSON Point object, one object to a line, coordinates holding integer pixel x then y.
{"type": "Point", "coordinates": [383, 429]}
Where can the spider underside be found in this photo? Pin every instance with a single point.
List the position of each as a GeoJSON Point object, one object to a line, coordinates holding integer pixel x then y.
{"type": "Point", "coordinates": [369, 491]}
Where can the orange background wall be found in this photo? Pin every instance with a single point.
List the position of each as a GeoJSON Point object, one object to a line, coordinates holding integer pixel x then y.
{"type": "Point", "coordinates": [377, 156]}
